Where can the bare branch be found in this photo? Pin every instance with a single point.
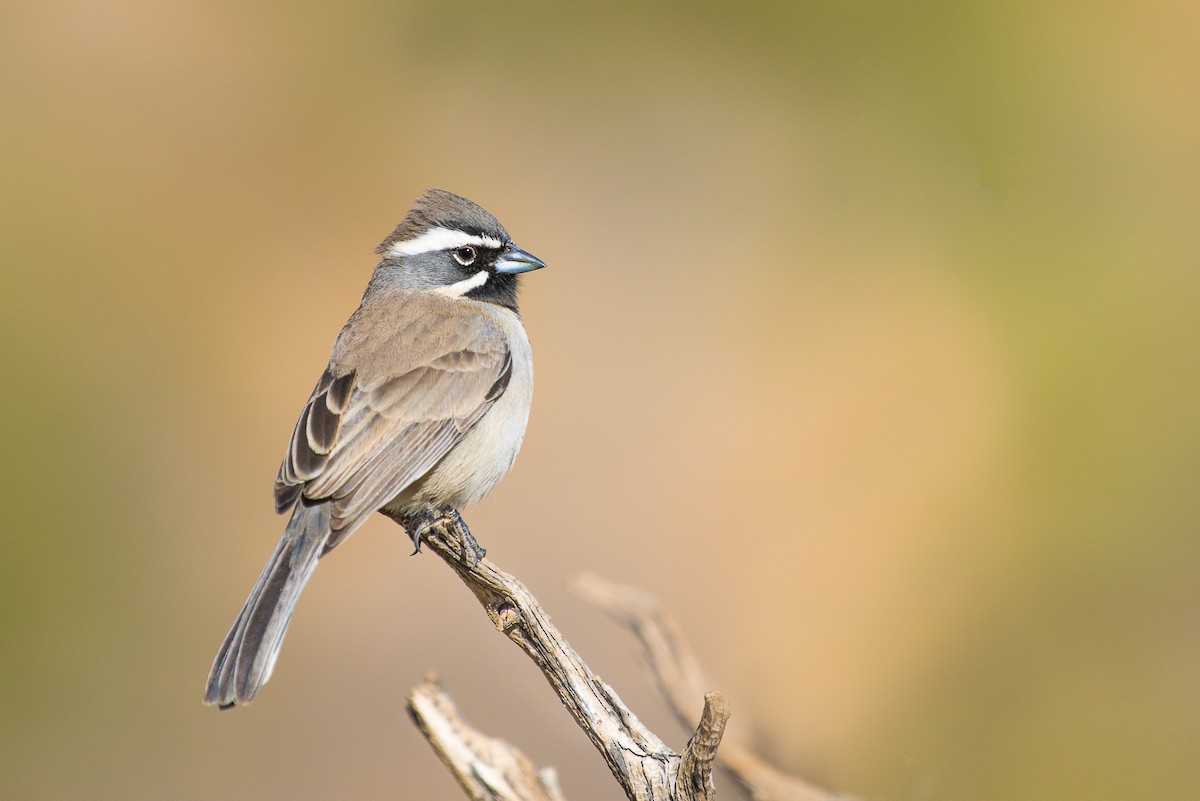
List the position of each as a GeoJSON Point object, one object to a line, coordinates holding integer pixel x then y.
{"type": "Point", "coordinates": [645, 767]}
{"type": "Point", "coordinates": [680, 682]}
{"type": "Point", "coordinates": [696, 767]}
{"type": "Point", "coordinates": [486, 768]}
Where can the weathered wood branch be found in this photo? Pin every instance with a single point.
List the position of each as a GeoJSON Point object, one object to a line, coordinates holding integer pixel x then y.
{"type": "Point", "coordinates": [486, 768]}
{"type": "Point", "coordinates": [695, 768]}
{"type": "Point", "coordinates": [680, 681]}
{"type": "Point", "coordinates": [645, 767]}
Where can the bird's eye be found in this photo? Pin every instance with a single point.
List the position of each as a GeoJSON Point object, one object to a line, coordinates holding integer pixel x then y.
{"type": "Point", "coordinates": [465, 255]}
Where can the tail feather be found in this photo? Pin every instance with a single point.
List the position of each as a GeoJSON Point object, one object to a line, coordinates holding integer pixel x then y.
{"type": "Point", "coordinates": [248, 654]}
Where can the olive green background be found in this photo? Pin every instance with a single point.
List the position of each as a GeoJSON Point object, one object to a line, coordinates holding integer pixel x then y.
{"type": "Point", "coordinates": [869, 343]}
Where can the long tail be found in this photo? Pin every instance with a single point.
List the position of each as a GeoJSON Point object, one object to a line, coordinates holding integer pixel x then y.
{"type": "Point", "coordinates": [248, 654]}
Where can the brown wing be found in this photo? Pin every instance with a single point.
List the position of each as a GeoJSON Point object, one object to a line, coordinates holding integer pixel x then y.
{"type": "Point", "coordinates": [368, 433]}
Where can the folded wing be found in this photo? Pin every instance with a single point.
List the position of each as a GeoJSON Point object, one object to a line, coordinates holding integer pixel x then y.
{"type": "Point", "coordinates": [368, 433]}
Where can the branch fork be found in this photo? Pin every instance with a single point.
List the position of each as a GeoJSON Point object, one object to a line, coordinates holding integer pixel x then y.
{"type": "Point", "coordinates": [644, 766]}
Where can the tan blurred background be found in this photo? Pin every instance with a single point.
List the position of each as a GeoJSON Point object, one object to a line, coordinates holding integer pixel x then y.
{"type": "Point", "coordinates": [906, 296]}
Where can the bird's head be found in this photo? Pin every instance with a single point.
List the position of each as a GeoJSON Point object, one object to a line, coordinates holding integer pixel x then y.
{"type": "Point", "coordinates": [448, 244]}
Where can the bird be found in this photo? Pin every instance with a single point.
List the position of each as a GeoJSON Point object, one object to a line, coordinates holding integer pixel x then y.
{"type": "Point", "coordinates": [420, 412]}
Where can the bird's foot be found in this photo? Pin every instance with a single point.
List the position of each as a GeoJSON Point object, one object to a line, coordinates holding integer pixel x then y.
{"type": "Point", "coordinates": [472, 550]}
{"type": "Point", "coordinates": [419, 525]}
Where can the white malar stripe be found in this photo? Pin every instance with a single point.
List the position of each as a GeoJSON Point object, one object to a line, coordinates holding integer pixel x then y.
{"type": "Point", "coordinates": [441, 239]}
{"type": "Point", "coordinates": [464, 286]}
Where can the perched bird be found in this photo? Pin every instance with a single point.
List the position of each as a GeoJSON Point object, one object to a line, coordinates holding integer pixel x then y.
{"type": "Point", "coordinates": [420, 412]}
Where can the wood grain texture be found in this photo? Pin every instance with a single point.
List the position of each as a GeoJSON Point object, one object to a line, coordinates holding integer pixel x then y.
{"type": "Point", "coordinates": [644, 766]}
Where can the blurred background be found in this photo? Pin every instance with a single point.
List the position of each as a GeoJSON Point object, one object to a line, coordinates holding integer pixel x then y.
{"type": "Point", "coordinates": [869, 344]}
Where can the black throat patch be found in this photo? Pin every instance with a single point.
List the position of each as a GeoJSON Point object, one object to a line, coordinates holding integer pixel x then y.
{"type": "Point", "coordinates": [500, 288]}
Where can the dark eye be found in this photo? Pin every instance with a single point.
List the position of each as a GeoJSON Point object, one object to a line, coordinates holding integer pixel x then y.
{"type": "Point", "coordinates": [465, 255]}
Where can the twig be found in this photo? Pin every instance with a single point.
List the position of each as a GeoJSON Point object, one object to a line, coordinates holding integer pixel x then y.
{"type": "Point", "coordinates": [645, 767]}
{"type": "Point", "coordinates": [486, 768]}
{"type": "Point", "coordinates": [696, 766]}
{"type": "Point", "coordinates": [680, 681]}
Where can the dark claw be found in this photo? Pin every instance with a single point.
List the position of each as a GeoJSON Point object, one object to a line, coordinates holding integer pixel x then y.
{"type": "Point", "coordinates": [472, 550]}
{"type": "Point", "coordinates": [416, 525]}
{"type": "Point", "coordinates": [422, 521]}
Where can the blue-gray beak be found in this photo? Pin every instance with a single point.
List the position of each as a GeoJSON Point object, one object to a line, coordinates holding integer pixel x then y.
{"type": "Point", "coordinates": [514, 260]}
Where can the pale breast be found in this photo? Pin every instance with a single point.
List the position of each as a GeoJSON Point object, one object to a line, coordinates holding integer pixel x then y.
{"type": "Point", "coordinates": [477, 463]}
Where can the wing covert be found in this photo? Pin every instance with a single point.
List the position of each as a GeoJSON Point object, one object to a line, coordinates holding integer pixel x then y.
{"type": "Point", "coordinates": [361, 441]}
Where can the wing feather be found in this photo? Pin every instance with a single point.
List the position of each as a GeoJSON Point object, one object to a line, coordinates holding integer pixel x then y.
{"type": "Point", "coordinates": [363, 438]}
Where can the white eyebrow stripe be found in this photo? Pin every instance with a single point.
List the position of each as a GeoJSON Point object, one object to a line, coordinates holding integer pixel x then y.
{"type": "Point", "coordinates": [464, 286]}
{"type": "Point", "coordinates": [441, 239]}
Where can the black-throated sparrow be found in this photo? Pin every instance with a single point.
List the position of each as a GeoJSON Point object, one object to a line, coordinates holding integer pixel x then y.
{"type": "Point", "coordinates": [421, 411]}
